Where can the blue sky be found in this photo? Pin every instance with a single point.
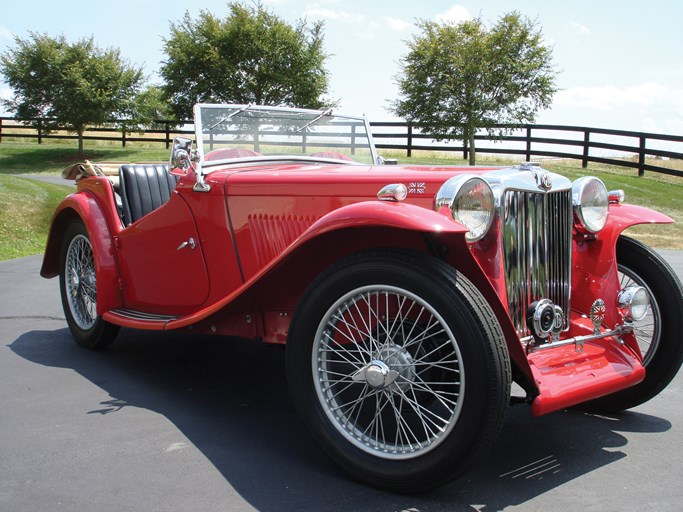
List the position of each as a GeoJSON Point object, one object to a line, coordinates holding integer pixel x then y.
{"type": "Point", "coordinates": [620, 63]}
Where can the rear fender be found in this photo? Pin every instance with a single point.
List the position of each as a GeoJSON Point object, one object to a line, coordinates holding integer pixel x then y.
{"type": "Point", "coordinates": [84, 206]}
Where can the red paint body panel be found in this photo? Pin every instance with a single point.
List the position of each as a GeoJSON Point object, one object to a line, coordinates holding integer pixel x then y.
{"type": "Point", "coordinates": [157, 276]}
{"type": "Point", "coordinates": [263, 232]}
{"type": "Point", "coordinates": [566, 377]}
{"type": "Point", "coordinates": [94, 207]}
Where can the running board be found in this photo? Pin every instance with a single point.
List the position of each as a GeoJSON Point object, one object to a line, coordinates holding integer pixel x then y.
{"type": "Point", "coordinates": [138, 319]}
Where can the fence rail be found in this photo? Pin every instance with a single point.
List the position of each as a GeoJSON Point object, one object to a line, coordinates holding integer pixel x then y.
{"type": "Point", "coordinates": [637, 150]}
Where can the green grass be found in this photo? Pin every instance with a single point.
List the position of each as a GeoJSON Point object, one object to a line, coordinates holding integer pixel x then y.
{"type": "Point", "coordinates": [26, 206]}
{"type": "Point", "coordinates": [31, 158]}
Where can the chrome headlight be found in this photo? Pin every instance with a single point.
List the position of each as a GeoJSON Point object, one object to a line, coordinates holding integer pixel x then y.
{"type": "Point", "coordinates": [471, 202]}
{"type": "Point", "coordinates": [591, 203]}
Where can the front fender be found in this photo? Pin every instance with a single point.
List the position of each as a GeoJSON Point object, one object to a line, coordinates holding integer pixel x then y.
{"type": "Point", "coordinates": [622, 216]}
{"type": "Point", "coordinates": [595, 268]}
{"type": "Point", "coordinates": [84, 206]}
{"type": "Point", "coordinates": [367, 214]}
{"type": "Point", "coordinates": [386, 214]}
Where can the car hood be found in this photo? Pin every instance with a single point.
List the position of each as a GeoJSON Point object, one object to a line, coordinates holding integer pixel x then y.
{"type": "Point", "coordinates": [324, 180]}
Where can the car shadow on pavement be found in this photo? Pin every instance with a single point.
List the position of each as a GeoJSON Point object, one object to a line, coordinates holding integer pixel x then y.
{"type": "Point", "coordinates": [229, 398]}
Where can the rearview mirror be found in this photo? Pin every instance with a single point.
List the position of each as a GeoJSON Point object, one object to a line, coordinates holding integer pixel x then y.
{"type": "Point", "coordinates": [181, 156]}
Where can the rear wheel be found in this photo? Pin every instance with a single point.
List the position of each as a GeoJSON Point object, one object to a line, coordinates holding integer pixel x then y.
{"type": "Point", "coordinates": [78, 287]}
{"type": "Point", "coordinates": [659, 333]}
{"type": "Point", "coordinates": [399, 369]}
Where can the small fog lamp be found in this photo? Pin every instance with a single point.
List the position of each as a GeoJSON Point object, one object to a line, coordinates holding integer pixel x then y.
{"type": "Point", "coordinates": [633, 303]}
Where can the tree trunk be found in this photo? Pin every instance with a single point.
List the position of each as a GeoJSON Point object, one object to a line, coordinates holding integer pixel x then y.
{"type": "Point", "coordinates": [472, 148]}
{"type": "Point", "coordinates": [80, 141]}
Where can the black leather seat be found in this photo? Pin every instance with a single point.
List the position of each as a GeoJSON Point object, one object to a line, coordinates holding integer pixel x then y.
{"type": "Point", "coordinates": [144, 188]}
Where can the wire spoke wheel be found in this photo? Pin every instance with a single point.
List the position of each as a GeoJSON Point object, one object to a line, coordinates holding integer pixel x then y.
{"type": "Point", "coordinates": [80, 282]}
{"type": "Point", "coordinates": [78, 287]}
{"type": "Point", "coordinates": [399, 369]}
{"type": "Point", "coordinates": [388, 372]}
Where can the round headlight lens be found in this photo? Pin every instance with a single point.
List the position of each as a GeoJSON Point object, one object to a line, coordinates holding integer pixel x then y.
{"type": "Point", "coordinates": [473, 207]}
{"type": "Point", "coordinates": [633, 302]}
{"type": "Point", "coordinates": [591, 204]}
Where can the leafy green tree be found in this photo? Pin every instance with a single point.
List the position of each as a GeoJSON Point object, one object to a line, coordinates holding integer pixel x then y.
{"type": "Point", "coordinates": [251, 56]}
{"type": "Point", "coordinates": [70, 84]}
{"type": "Point", "coordinates": [150, 105]}
{"type": "Point", "coordinates": [460, 77]}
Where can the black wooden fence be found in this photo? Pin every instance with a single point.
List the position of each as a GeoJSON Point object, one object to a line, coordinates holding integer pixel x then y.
{"type": "Point", "coordinates": [637, 150]}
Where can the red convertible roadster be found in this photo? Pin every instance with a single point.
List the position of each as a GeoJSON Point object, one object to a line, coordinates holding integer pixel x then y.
{"type": "Point", "coordinates": [410, 298]}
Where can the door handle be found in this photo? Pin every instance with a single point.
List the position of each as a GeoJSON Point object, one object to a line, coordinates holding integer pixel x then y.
{"type": "Point", "coordinates": [191, 243]}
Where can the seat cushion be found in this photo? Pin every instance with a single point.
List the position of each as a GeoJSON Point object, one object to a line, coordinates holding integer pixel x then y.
{"type": "Point", "coordinates": [144, 188]}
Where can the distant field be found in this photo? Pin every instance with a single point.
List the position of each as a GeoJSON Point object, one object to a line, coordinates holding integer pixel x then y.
{"type": "Point", "coordinates": [26, 206]}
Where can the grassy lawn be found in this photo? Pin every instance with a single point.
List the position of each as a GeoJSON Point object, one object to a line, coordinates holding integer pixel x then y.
{"type": "Point", "coordinates": [26, 206]}
{"type": "Point", "coordinates": [31, 158]}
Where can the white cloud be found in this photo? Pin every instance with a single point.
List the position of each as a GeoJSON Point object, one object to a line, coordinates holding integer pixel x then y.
{"type": "Point", "coordinates": [455, 14]}
{"type": "Point", "coordinates": [6, 34]}
{"type": "Point", "coordinates": [334, 14]}
{"type": "Point", "coordinates": [608, 97]}
{"type": "Point", "coordinates": [649, 107]}
{"type": "Point", "coordinates": [581, 29]}
{"type": "Point", "coordinates": [397, 24]}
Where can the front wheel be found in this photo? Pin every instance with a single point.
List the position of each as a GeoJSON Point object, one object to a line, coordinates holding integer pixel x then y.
{"type": "Point", "coordinates": [78, 287]}
{"type": "Point", "coordinates": [399, 369]}
{"type": "Point", "coordinates": [659, 333]}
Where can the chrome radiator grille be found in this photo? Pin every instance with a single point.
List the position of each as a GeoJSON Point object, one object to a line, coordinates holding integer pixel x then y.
{"type": "Point", "coordinates": [537, 243]}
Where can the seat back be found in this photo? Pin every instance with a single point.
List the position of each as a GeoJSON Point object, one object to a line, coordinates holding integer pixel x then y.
{"type": "Point", "coordinates": [144, 188]}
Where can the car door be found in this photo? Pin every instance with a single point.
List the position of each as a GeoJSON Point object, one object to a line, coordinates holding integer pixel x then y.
{"type": "Point", "coordinates": [161, 261]}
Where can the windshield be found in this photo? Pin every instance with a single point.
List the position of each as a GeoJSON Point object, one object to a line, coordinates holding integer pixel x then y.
{"type": "Point", "coordinates": [246, 131]}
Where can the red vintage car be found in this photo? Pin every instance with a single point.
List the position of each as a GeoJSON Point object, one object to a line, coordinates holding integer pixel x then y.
{"type": "Point", "coordinates": [410, 298]}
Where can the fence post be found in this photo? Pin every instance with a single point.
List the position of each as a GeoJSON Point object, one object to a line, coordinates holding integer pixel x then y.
{"type": "Point", "coordinates": [123, 135]}
{"type": "Point", "coordinates": [353, 139]}
{"type": "Point", "coordinates": [40, 131]}
{"type": "Point", "coordinates": [409, 141]}
{"type": "Point", "coordinates": [586, 147]}
{"type": "Point", "coordinates": [168, 134]}
{"type": "Point", "coordinates": [528, 144]}
{"type": "Point", "coordinates": [465, 149]}
{"type": "Point", "coordinates": [0, 129]}
{"type": "Point", "coordinates": [641, 157]}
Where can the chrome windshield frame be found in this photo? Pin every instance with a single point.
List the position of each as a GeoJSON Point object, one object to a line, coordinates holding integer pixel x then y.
{"type": "Point", "coordinates": [203, 167]}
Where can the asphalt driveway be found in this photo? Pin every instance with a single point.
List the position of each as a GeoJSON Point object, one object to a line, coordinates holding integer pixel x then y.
{"type": "Point", "coordinates": [172, 422]}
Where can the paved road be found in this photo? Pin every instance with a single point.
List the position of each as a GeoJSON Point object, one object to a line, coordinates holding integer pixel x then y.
{"type": "Point", "coordinates": [179, 423]}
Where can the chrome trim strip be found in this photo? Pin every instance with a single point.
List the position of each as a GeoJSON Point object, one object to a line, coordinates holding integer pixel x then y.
{"type": "Point", "coordinates": [579, 341]}
{"type": "Point", "coordinates": [141, 315]}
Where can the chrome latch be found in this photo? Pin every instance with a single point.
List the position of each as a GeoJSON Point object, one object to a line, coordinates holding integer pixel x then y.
{"type": "Point", "coordinates": [191, 243]}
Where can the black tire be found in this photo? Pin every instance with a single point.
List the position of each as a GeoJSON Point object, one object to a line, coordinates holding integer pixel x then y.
{"type": "Point", "coordinates": [78, 288]}
{"type": "Point", "coordinates": [659, 333]}
{"type": "Point", "coordinates": [387, 400]}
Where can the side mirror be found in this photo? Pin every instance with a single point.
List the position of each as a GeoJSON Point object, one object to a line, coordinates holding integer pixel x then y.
{"type": "Point", "coordinates": [181, 156]}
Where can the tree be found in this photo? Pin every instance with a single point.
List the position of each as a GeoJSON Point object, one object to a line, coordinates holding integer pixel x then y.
{"type": "Point", "coordinates": [251, 56]}
{"type": "Point", "coordinates": [148, 106]}
{"type": "Point", "coordinates": [461, 77]}
{"type": "Point", "coordinates": [71, 85]}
